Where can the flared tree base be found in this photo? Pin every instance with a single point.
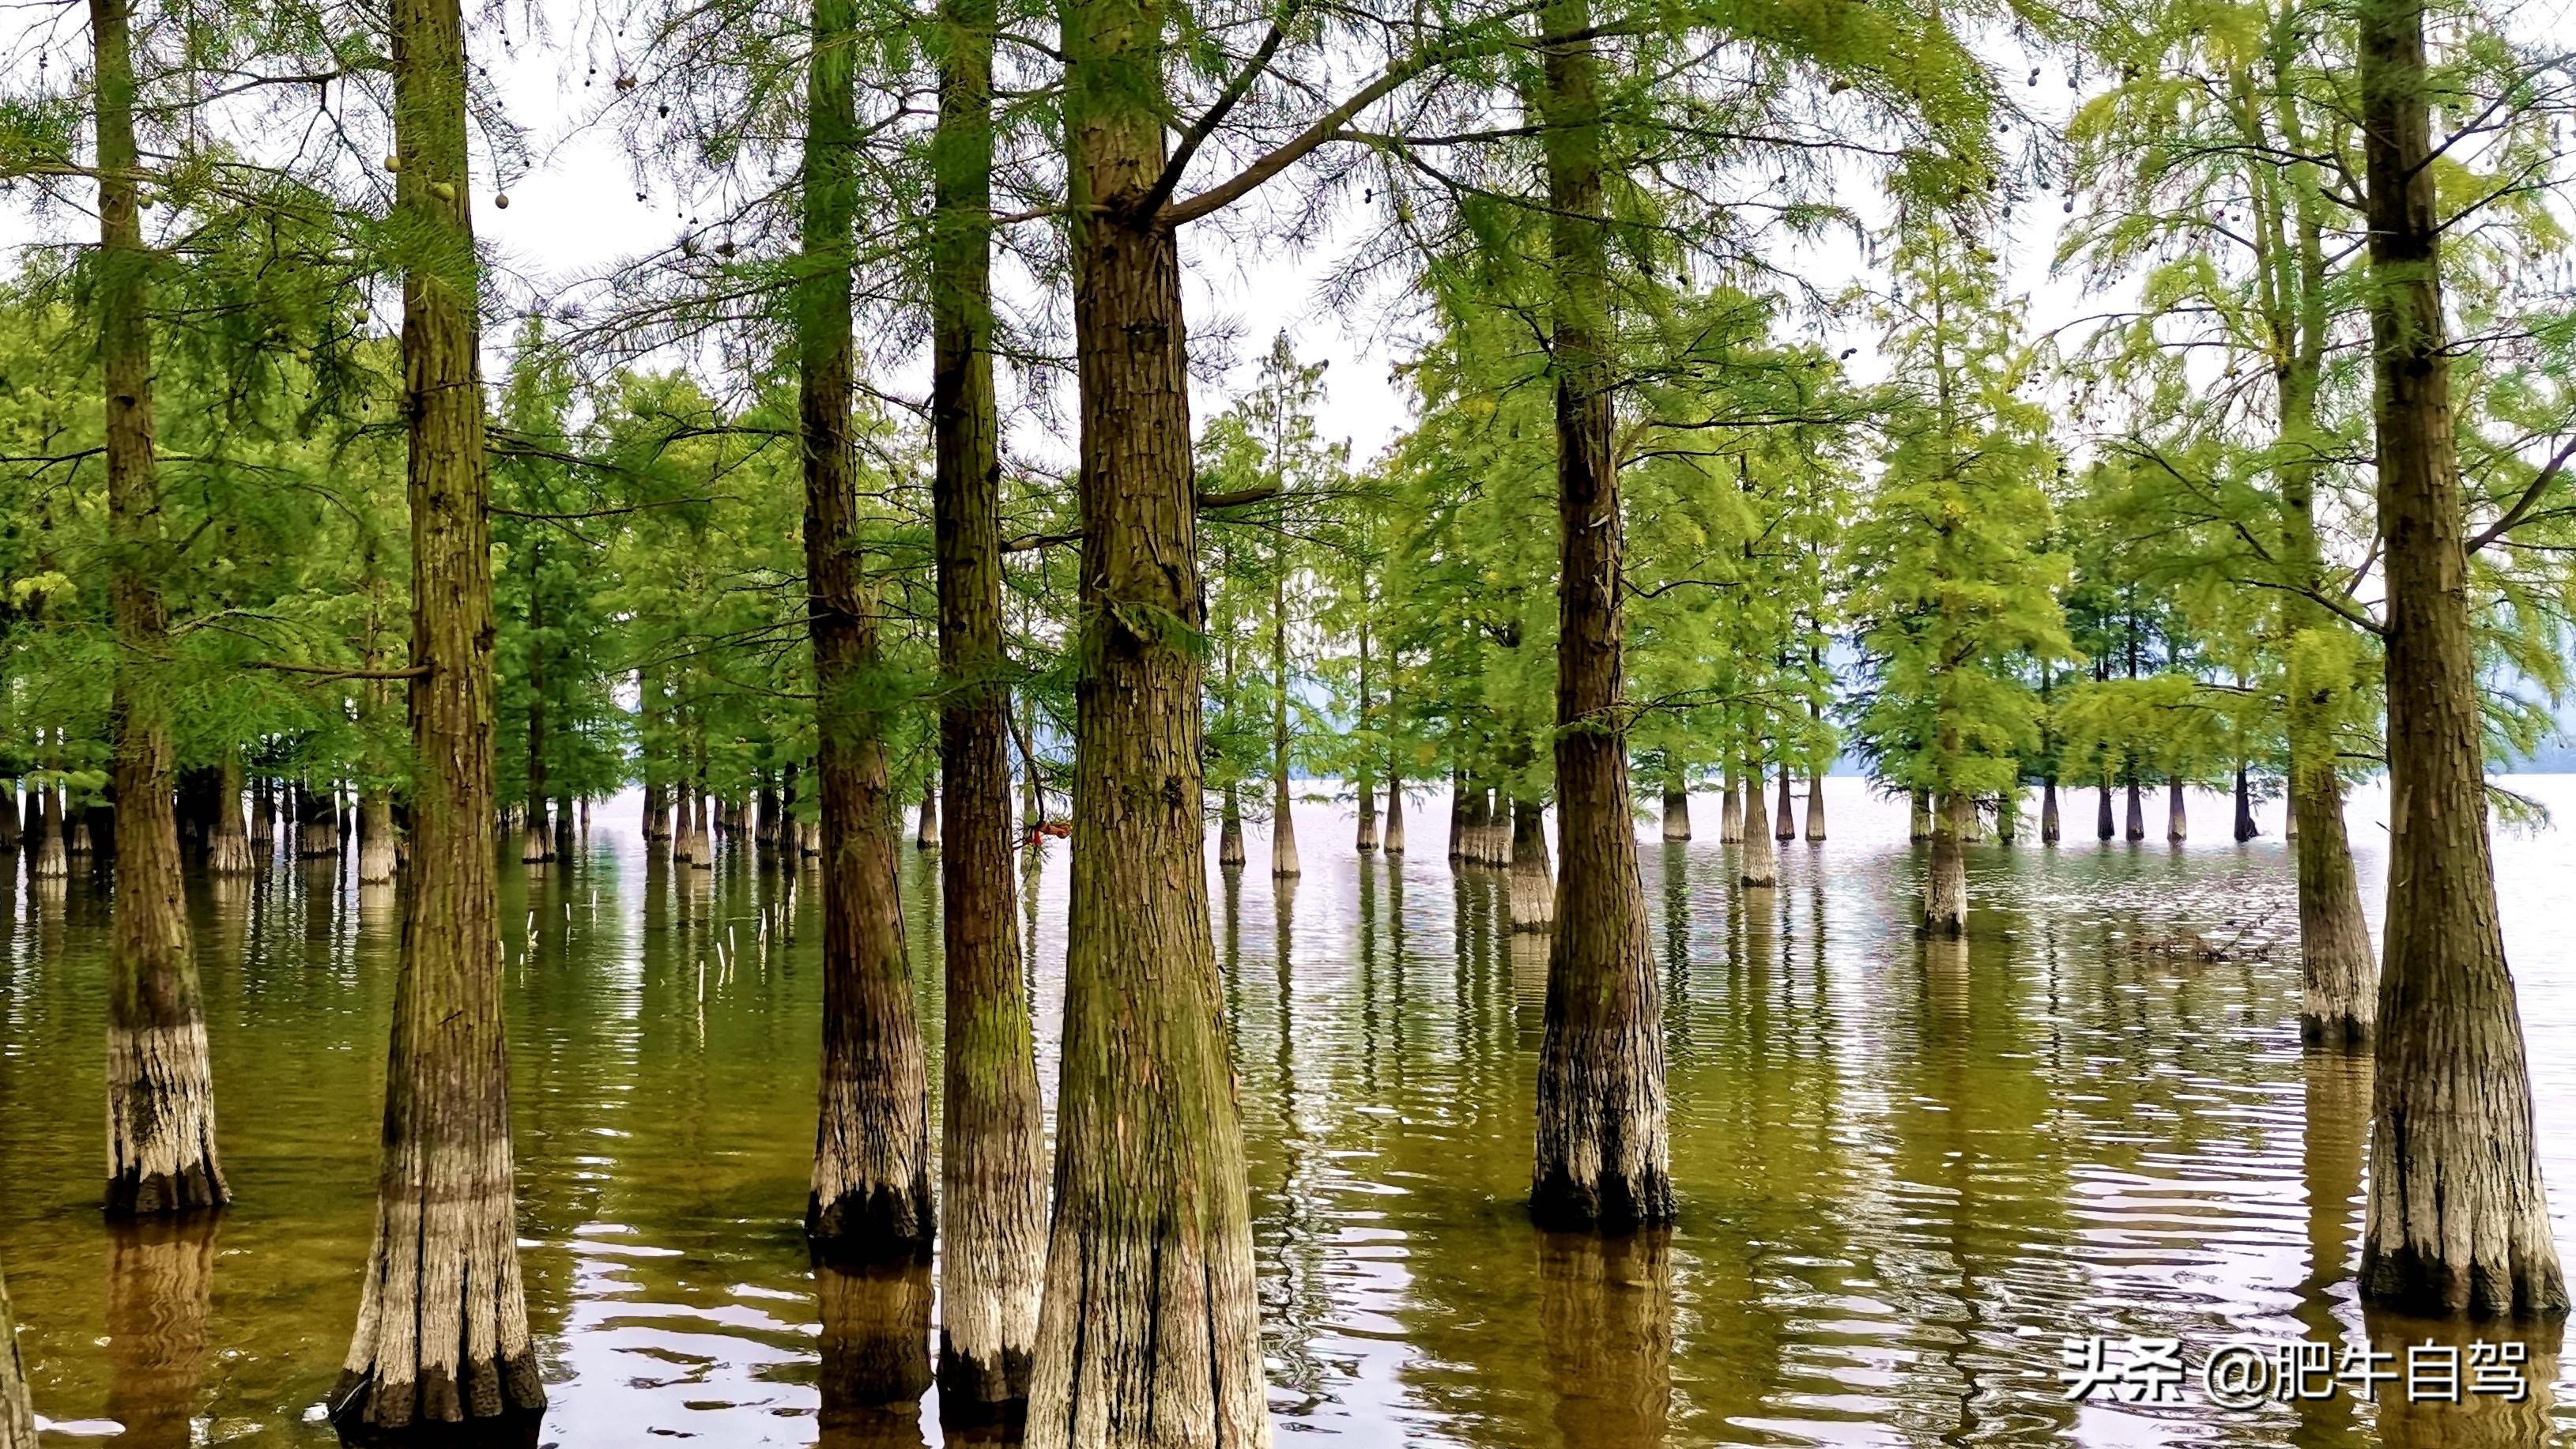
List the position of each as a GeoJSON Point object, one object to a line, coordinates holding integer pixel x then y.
{"type": "Point", "coordinates": [1560, 1202]}
{"type": "Point", "coordinates": [871, 1226]}
{"type": "Point", "coordinates": [196, 1188]}
{"type": "Point", "coordinates": [509, 1425]}
{"type": "Point", "coordinates": [231, 855]}
{"type": "Point", "coordinates": [2493, 1282]}
{"type": "Point", "coordinates": [982, 1392]}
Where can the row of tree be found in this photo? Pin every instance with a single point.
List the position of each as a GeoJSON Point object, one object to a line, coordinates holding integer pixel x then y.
{"type": "Point", "coordinates": [1647, 519]}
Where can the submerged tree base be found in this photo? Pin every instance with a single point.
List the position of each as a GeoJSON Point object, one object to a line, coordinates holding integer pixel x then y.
{"type": "Point", "coordinates": [880, 1224]}
{"type": "Point", "coordinates": [515, 1429]}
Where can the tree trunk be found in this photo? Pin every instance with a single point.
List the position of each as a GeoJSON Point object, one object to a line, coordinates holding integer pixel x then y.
{"type": "Point", "coordinates": [46, 857]}
{"type": "Point", "coordinates": [1730, 812]}
{"type": "Point", "coordinates": [1784, 825]}
{"type": "Point", "coordinates": [2177, 824]}
{"type": "Point", "coordinates": [871, 1200]}
{"type": "Point", "coordinates": [656, 821]}
{"type": "Point", "coordinates": [1815, 809]}
{"type": "Point", "coordinates": [376, 854]}
{"type": "Point", "coordinates": [1394, 844]}
{"type": "Point", "coordinates": [1149, 1327]}
{"type": "Point", "coordinates": [2458, 1222]}
{"type": "Point", "coordinates": [2290, 815]}
{"type": "Point", "coordinates": [17, 1416]}
{"type": "Point", "coordinates": [1677, 821]}
{"type": "Point", "coordinates": [1366, 839]}
{"type": "Point", "coordinates": [228, 850]}
{"type": "Point", "coordinates": [442, 1332]}
{"type": "Point", "coordinates": [564, 839]}
{"type": "Point", "coordinates": [1229, 835]}
{"type": "Point", "coordinates": [1603, 1159]}
{"type": "Point", "coordinates": [1533, 888]}
{"type": "Point", "coordinates": [1918, 822]}
{"type": "Point", "coordinates": [1758, 863]}
{"type": "Point", "coordinates": [2102, 825]}
{"type": "Point", "coordinates": [1471, 848]}
{"type": "Point", "coordinates": [263, 818]}
{"type": "Point", "coordinates": [993, 1133]}
{"type": "Point", "coordinates": [160, 1083]}
{"type": "Point", "coordinates": [536, 845]}
{"type": "Point", "coordinates": [2049, 825]}
{"type": "Point", "coordinates": [2245, 827]}
{"type": "Point", "coordinates": [8, 814]}
{"type": "Point", "coordinates": [2137, 829]}
{"type": "Point", "coordinates": [925, 836]}
{"type": "Point", "coordinates": [1945, 886]}
{"type": "Point", "coordinates": [2339, 978]}
{"type": "Point", "coordinates": [1457, 817]}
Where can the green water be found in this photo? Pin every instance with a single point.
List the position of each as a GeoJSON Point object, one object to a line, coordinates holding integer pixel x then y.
{"type": "Point", "coordinates": [1909, 1174]}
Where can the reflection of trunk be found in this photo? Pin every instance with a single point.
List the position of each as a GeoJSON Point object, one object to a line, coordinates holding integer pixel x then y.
{"type": "Point", "coordinates": [2177, 825]}
{"type": "Point", "coordinates": [2458, 1221]}
{"type": "Point", "coordinates": [442, 1331]}
{"type": "Point", "coordinates": [160, 1280]}
{"type": "Point", "coordinates": [17, 1417]}
{"type": "Point", "coordinates": [1945, 887]}
{"type": "Point", "coordinates": [2049, 830]}
{"type": "Point", "coordinates": [875, 1355]}
{"type": "Point", "coordinates": [1533, 890]}
{"type": "Point", "coordinates": [1677, 822]}
{"type": "Point", "coordinates": [160, 1084]}
{"type": "Point", "coordinates": [1150, 1314]}
{"type": "Point", "coordinates": [871, 1199]}
{"type": "Point", "coordinates": [228, 849]}
{"type": "Point", "coordinates": [1608, 1307]}
{"type": "Point", "coordinates": [993, 1134]}
{"type": "Point", "coordinates": [1815, 809]}
{"type": "Point", "coordinates": [1603, 1159]}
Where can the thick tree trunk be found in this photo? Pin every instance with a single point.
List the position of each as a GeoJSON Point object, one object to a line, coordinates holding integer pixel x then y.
{"type": "Point", "coordinates": [2458, 1222]}
{"type": "Point", "coordinates": [1945, 885]}
{"type": "Point", "coordinates": [376, 854]}
{"type": "Point", "coordinates": [2339, 978]}
{"type": "Point", "coordinates": [2245, 828]}
{"type": "Point", "coordinates": [2137, 828]}
{"type": "Point", "coordinates": [160, 1083]}
{"type": "Point", "coordinates": [871, 1200]}
{"type": "Point", "coordinates": [228, 850]}
{"type": "Point", "coordinates": [1784, 822]}
{"type": "Point", "coordinates": [1758, 863]}
{"type": "Point", "coordinates": [1149, 1331]}
{"type": "Point", "coordinates": [17, 1416]}
{"type": "Point", "coordinates": [263, 818]}
{"type": "Point", "coordinates": [2102, 825]}
{"type": "Point", "coordinates": [656, 817]}
{"type": "Point", "coordinates": [2177, 824]}
{"type": "Point", "coordinates": [1394, 812]}
{"type": "Point", "coordinates": [46, 857]}
{"type": "Point", "coordinates": [1533, 887]}
{"type": "Point", "coordinates": [1918, 820]}
{"type": "Point", "coordinates": [1283, 831]}
{"type": "Point", "coordinates": [1815, 809]}
{"type": "Point", "coordinates": [925, 835]}
{"type": "Point", "coordinates": [1730, 812]}
{"type": "Point", "coordinates": [1471, 835]}
{"type": "Point", "coordinates": [1677, 821]}
{"type": "Point", "coordinates": [1603, 1159]}
{"type": "Point", "coordinates": [2050, 827]}
{"type": "Point", "coordinates": [1229, 835]}
{"type": "Point", "coordinates": [536, 837]}
{"type": "Point", "coordinates": [993, 1134]}
{"type": "Point", "coordinates": [442, 1333]}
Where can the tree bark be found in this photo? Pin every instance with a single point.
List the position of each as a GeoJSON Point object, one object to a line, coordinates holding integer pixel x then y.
{"type": "Point", "coordinates": [376, 854]}
{"type": "Point", "coordinates": [2102, 825]}
{"type": "Point", "coordinates": [2339, 978]}
{"type": "Point", "coordinates": [1603, 1159]}
{"type": "Point", "coordinates": [2137, 828]}
{"type": "Point", "coordinates": [993, 1133]}
{"type": "Point", "coordinates": [1394, 843]}
{"type": "Point", "coordinates": [160, 1082]}
{"type": "Point", "coordinates": [442, 1334]}
{"type": "Point", "coordinates": [1919, 823]}
{"type": "Point", "coordinates": [1758, 863]}
{"type": "Point", "coordinates": [1945, 885]}
{"type": "Point", "coordinates": [1815, 809]}
{"type": "Point", "coordinates": [1784, 824]}
{"type": "Point", "coordinates": [536, 845]}
{"type": "Point", "coordinates": [871, 1200]}
{"type": "Point", "coordinates": [1730, 812]}
{"type": "Point", "coordinates": [1367, 838]}
{"type": "Point", "coordinates": [2457, 1221]}
{"type": "Point", "coordinates": [1533, 887]}
{"type": "Point", "coordinates": [1677, 821]}
{"type": "Point", "coordinates": [2177, 824]}
{"type": "Point", "coordinates": [1471, 829]}
{"type": "Point", "coordinates": [1229, 835]}
{"type": "Point", "coordinates": [9, 833]}
{"type": "Point", "coordinates": [925, 836]}
{"type": "Point", "coordinates": [2245, 828]}
{"type": "Point", "coordinates": [1149, 1330]}
{"type": "Point", "coordinates": [46, 857]}
{"type": "Point", "coordinates": [2049, 824]}
{"type": "Point", "coordinates": [17, 1416]}
{"type": "Point", "coordinates": [228, 849]}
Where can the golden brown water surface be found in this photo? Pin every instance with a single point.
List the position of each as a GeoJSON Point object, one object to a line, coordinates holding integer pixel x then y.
{"type": "Point", "coordinates": [1908, 1172]}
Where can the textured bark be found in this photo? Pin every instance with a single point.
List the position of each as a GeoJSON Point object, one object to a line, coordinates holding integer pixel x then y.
{"type": "Point", "coordinates": [2244, 829]}
{"type": "Point", "coordinates": [2050, 827]}
{"type": "Point", "coordinates": [228, 848]}
{"type": "Point", "coordinates": [1229, 836]}
{"type": "Point", "coordinates": [160, 1282]}
{"type": "Point", "coordinates": [1677, 821]}
{"type": "Point", "coordinates": [263, 817]}
{"type": "Point", "coordinates": [1945, 885]}
{"type": "Point", "coordinates": [1394, 844]}
{"type": "Point", "coordinates": [17, 1416]}
{"type": "Point", "coordinates": [2102, 826]}
{"type": "Point", "coordinates": [871, 1200]}
{"type": "Point", "coordinates": [46, 858]}
{"type": "Point", "coordinates": [1730, 812]}
{"type": "Point", "coordinates": [1603, 1158]}
{"type": "Point", "coordinates": [2177, 824]}
{"type": "Point", "coordinates": [1533, 887]}
{"type": "Point", "coordinates": [376, 854]}
{"type": "Point", "coordinates": [2137, 827]}
{"type": "Point", "coordinates": [2458, 1222]}
{"type": "Point", "coordinates": [1283, 831]}
{"type": "Point", "coordinates": [1815, 809]}
{"type": "Point", "coordinates": [2339, 977]}
{"type": "Point", "coordinates": [1149, 1329]}
{"type": "Point", "coordinates": [1472, 823]}
{"type": "Point", "coordinates": [993, 1134]}
{"type": "Point", "coordinates": [1918, 821]}
{"type": "Point", "coordinates": [1758, 863]}
{"type": "Point", "coordinates": [161, 1154]}
{"type": "Point", "coordinates": [1784, 819]}
{"type": "Point", "coordinates": [442, 1335]}
{"type": "Point", "coordinates": [2290, 816]}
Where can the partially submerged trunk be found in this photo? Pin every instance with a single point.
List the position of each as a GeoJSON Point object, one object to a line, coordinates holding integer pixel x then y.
{"type": "Point", "coordinates": [1283, 831]}
{"type": "Point", "coordinates": [161, 1154]}
{"type": "Point", "coordinates": [1758, 863]}
{"type": "Point", "coordinates": [1471, 834]}
{"type": "Point", "coordinates": [9, 813]}
{"type": "Point", "coordinates": [442, 1334]}
{"type": "Point", "coordinates": [1229, 835]}
{"type": "Point", "coordinates": [46, 858]}
{"type": "Point", "coordinates": [17, 1416]}
{"type": "Point", "coordinates": [263, 817]}
{"type": "Point", "coordinates": [1533, 887]}
{"type": "Point", "coordinates": [1457, 818]}
{"type": "Point", "coordinates": [2245, 827]}
{"type": "Point", "coordinates": [565, 842]}
{"type": "Point", "coordinates": [2458, 1221]}
{"type": "Point", "coordinates": [925, 835]}
{"type": "Point", "coordinates": [1603, 1159]}
{"type": "Point", "coordinates": [1784, 824]}
{"type": "Point", "coordinates": [1677, 821]}
{"type": "Point", "coordinates": [536, 837]}
{"type": "Point", "coordinates": [871, 1200]}
{"type": "Point", "coordinates": [992, 1130]}
{"type": "Point", "coordinates": [2049, 825]}
{"type": "Point", "coordinates": [2137, 829]}
{"type": "Point", "coordinates": [1945, 885]}
{"type": "Point", "coordinates": [228, 848]}
{"type": "Point", "coordinates": [1815, 809]}
{"type": "Point", "coordinates": [376, 857]}
{"type": "Point", "coordinates": [1918, 820]}
{"type": "Point", "coordinates": [2102, 826]}
{"type": "Point", "coordinates": [1730, 812]}
{"type": "Point", "coordinates": [1394, 813]}
{"type": "Point", "coordinates": [2339, 977]}
{"type": "Point", "coordinates": [1149, 1326]}
{"type": "Point", "coordinates": [2177, 824]}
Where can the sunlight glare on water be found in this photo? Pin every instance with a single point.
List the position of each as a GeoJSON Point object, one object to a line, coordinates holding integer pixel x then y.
{"type": "Point", "coordinates": [1909, 1172]}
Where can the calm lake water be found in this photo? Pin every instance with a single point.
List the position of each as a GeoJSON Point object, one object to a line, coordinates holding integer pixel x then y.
{"type": "Point", "coordinates": [1909, 1173]}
